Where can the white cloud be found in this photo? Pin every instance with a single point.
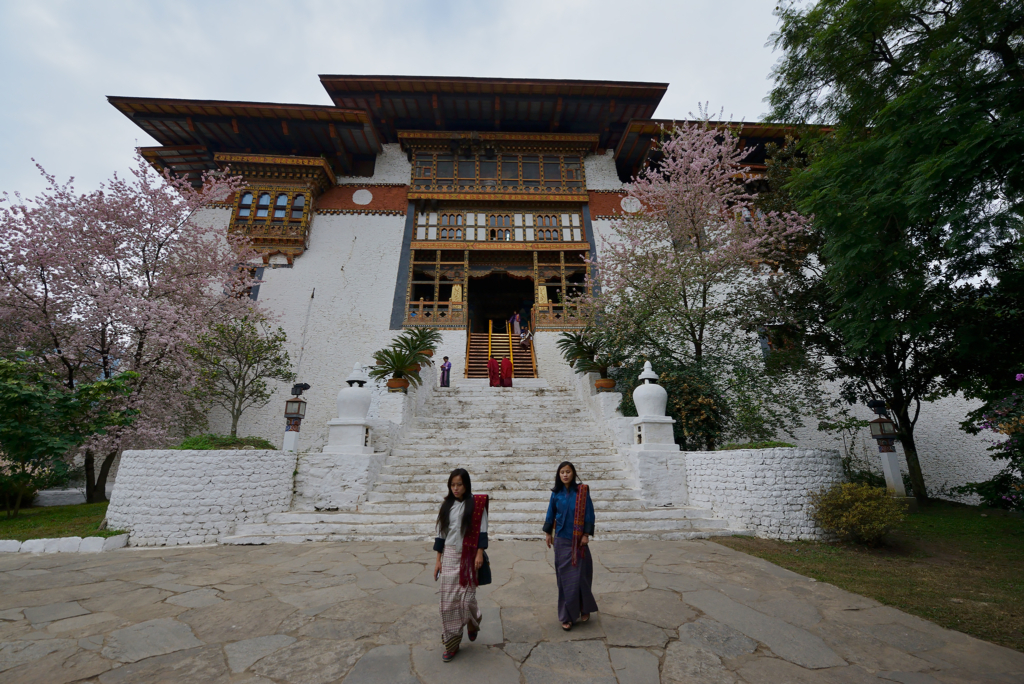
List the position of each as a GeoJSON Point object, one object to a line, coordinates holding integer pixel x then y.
{"type": "Point", "coordinates": [61, 59]}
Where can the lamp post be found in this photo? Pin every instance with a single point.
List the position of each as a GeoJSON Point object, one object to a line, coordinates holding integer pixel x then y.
{"type": "Point", "coordinates": [294, 412]}
{"type": "Point", "coordinates": [883, 430]}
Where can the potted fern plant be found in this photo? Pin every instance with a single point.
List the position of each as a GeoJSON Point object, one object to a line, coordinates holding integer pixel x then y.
{"type": "Point", "coordinates": [395, 364]}
{"type": "Point", "coordinates": [588, 351]}
{"type": "Point", "coordinates": [424, 340]}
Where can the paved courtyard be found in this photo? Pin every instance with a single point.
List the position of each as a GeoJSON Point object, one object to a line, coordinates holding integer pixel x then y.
{"type": "Point", "coordinates": [364, 612]}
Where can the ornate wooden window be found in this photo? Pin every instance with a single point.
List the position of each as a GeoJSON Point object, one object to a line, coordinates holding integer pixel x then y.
{"type": "Point", "coordinates": [284, 189]}
{"type": "Point", "coordinates": [505, 172]}
{"type": "Point", "coordinates": [546, 227]}
{"type": "Point", "coordinates": [497, 222]}
{"type": "Point", "coordinates": [281, 218]}
{"type": "Point", "coordinates": [437, 286]}
{"type": "Point", "coordinates": [281, 206]}
{"type": "Point", "coordinates": [245, 205]}
{"type": "Point", "coordinates": [298, 206]}
{"type": "Point", "coordinates": [263, 206]}
{"type": "Point", "coordinates": [451, 227]}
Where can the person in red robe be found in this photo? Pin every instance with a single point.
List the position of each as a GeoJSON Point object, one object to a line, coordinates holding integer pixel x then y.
{"type": "Point", "coordinates": [506, 372]}
{"type": "Point", "coordinates": [494, 372]}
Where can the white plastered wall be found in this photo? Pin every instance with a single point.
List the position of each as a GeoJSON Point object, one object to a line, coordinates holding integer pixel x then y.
{"type": "Point", "coordinates": [335, 306]}
{"type": "Point", "coordinates": [391, 166]}
{"type": "Point", "coordinates": [600, 173]}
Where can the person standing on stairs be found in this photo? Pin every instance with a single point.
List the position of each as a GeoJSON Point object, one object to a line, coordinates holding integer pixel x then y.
{"type": "Point", "coordinates": [460, 543]}
{"type": "Point", "coordinates": [524, 339]}
{"type": "Point", "coordinates": [494, 372]}
{"type": "Point", "coordinates": [568, 526]}
{"type": "Point", "coordinates": [507, 371]}
{"type": "Point", "coordinates": [515, 322]}
{"type": "Point", "coordinates": [446, 373]}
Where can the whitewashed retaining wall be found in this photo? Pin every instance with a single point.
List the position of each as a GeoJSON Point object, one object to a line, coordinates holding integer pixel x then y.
{"type": "Point", "coordinates": [173, 498]}
{"type": "Point", "coordinates": [766, 491]}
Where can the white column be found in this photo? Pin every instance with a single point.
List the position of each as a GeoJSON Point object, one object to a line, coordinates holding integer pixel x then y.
{"type": "Point", "coordinates": [893, 477]}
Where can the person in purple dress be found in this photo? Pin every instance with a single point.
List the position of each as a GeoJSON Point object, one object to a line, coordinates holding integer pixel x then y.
{"type": "Point", "coordinates": [446, 373]}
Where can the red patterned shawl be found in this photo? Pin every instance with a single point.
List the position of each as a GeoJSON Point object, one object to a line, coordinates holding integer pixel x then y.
{"type": "Point", "coordinates": [467, 569]}
{"type": "Point", "coordinates": [582, 491]}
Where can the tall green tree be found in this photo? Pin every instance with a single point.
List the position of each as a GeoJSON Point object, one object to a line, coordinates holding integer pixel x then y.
{"type": "Point", "coordinates": [236, 358]}
{"type": "Point", "coordinates": [917, 194]}
{"type": "Point", "coordinates": [42, 420]}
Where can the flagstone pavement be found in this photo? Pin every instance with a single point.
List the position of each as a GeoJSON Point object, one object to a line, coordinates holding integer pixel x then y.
{"type": "Point", "coordinates": [670, 612]}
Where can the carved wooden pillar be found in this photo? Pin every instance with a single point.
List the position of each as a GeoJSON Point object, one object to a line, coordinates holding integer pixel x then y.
{"type": "Point", "coordinates": [536, 287]}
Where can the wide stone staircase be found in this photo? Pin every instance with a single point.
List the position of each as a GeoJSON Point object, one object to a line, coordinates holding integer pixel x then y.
{"type": "Point", "coordinates": [510, 440]}
{"type": "Point", "coordinates": [524, 362]}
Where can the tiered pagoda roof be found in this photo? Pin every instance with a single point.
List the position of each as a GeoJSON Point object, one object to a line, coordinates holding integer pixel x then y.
{"type": "Point", "coordinates": [371, 110]}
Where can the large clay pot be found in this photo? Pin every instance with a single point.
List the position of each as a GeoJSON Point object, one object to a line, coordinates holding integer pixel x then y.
{"type": "Point", "coordinates": [415, 368]}
{"type": "Point", "coordinates": [428, 352]}
{"type": "Point", "coordinates": [604, 384]}
{"type": "Point", "coordinates": [397, 384]}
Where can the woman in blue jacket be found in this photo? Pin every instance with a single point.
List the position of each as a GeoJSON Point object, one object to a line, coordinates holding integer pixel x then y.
{"type": "Point", "coordinates": [568, 526]}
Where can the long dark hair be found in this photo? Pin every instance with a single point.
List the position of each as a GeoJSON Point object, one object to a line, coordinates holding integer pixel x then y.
{"type": "Point", "coordinates": [449, 500]}
{"type": "Point", "coordinates": [558, 480]}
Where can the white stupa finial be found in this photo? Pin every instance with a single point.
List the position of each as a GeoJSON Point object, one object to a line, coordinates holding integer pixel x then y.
{"type": "Point", "coordinates": [648, 373]}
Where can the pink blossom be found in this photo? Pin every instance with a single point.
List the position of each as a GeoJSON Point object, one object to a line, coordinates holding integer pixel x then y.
{"type": "Point", "coordinates": [121, 278]}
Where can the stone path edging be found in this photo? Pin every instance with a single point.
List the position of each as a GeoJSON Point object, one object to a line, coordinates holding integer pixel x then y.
{"type": "Point", "coordinates": [64, 545]}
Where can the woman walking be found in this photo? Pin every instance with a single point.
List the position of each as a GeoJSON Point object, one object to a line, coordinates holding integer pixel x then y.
{"type": "Point", "coordinates": [568, 526]}
{"type": "Point", "coordinates": [460, 543]}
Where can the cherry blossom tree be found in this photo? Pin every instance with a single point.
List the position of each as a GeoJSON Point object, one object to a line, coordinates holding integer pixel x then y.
{"type": "Point", "coordinates": [123, 278]}
{"type": "Point", "coordinates": [683, 278]}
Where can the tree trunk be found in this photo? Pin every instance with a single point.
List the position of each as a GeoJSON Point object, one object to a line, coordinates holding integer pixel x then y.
{"type": "Point", "coordinates": [234, 423]}
{"type": "Point", "coordinates": [100, 491]}
{"type": "Point", "coordinates": [90, 478]}
{"type": "Point", "coordinates": [906, 437]}
{"type": "Point", "coordinates": [17, 505]}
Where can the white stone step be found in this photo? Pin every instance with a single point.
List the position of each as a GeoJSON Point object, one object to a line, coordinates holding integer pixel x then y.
{"type": "Point", "coordinates": [347, 524]}
{"type": "Point", "coordinates": [676, 535]}
{"type": "Point", "coordinates": [495, 514]}
{"type": "Point", "coordinates": [620, 508]}
{"type": "Point", "coordinates": [510, 440]}
{"type": "Point", "coordinates": [495, 475]}
{"type": "Point", "coordinates": [510, 495]}
{"type": "Point", "coordinates": [424, 457]}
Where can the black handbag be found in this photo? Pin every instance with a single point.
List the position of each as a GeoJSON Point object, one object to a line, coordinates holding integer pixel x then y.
{"type": "Point", "coordinates": [483, 575]}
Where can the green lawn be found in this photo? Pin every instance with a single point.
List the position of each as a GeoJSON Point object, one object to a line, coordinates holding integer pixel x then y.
{"type": "Point", "coordinates": [56, 521]}
{"type": "Point", "coordinates": [961, 567]}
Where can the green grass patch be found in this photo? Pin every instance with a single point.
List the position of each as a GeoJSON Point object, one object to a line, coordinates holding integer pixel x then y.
{"type": "Point", "coordinates": [204, 442]}
{"type": "Point", "coordinates": [961, 567]}
{"type": "Point", "coordinates": [48, 522]}
{"type": "Point", "coordinates": [755, 445]}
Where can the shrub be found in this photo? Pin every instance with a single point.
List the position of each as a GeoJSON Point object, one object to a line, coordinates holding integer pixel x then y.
{"type": "Point", "coordinates": [857, 511]}
{"type": "Point", "coordinates": [204, 442]}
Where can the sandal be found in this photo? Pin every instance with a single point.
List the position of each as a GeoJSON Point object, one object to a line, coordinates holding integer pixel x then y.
{"type": "Point", "coordinates": [585, 617]}
{"type": "Point", "coordinates": [565, 627]}
{"type": "Point", "coordinates": [472, 635]}
{"type": "Point", "coordinates": [448, 655]}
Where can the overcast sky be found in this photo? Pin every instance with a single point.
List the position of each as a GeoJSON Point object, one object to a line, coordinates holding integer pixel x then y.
{"type": "Point", "coordinates": [61, 59]}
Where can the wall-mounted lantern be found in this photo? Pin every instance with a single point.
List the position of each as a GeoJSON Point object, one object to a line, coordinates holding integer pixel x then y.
{"type": "Point", "coordinates": [294, 412]}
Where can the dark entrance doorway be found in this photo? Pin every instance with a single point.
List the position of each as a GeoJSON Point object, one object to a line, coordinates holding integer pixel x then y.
{"type": "Point", "coordinates": [496, 296]}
